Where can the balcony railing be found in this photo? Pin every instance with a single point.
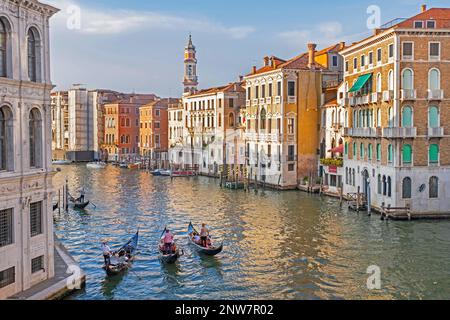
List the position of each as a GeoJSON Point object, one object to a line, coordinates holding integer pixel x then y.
{"type": "Point", "coordinates": [436, 132]}
{"type": "Point", "coordinates": [269, 100]}
{"type": "Point", "coordinates": [361, 132]}
{"type": "Point", "coordinates": [255, 102]}
{"type": "Point", "coordinates": [262, 100]}
{"type": "Point", "coordinates": [375, 97]}
{"type": "Point", "coordinates": [248, 103]}
{"type": "Point", "coordinates": [388, 95]}
{"type": "Point", "coordinates": [292, 99]}
{"type": "Point", "coordinates": [437, 94]}
{"type": "Point", "coordinates": [399, 132]}
{"type": "Point", "coordinates": [407, 94]}
{"type": "Point", "coordinates": [278, 99]}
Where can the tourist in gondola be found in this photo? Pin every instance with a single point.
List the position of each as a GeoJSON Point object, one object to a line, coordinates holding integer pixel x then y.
{"type": "Point", "coordinates": [106, 253]}
{"type": "Point", "coordinates": [204, 233]}
{"type": "Point", "coordinates": [168, 240]}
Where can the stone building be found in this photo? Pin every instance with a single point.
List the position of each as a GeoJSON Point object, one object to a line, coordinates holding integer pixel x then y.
{"type": "Point", "coordinates": [26, 220]}
{"type": "Point", "coordinates": [397, 114]}
{"type": "Point", "coordinates": [282, 116]}
{"type": "Point", "coordinates": [176, 132]}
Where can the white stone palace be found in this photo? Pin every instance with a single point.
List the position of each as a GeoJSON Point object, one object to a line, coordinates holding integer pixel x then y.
{"type": "Point", "coordinates": [26, 220]}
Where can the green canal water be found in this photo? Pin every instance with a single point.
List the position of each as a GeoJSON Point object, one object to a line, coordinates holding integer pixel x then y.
{"type": "Point", "coordinates": [278, 245]}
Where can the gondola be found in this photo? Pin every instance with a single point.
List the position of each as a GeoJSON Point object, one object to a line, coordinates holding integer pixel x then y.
{"type": "Point", "coordinates": [115, 266]}
{"type": "Point", "coordinates": [55, 206]}
{"type": "Point", "coordinates": [78, 203]}
{"type": "Point", "coordinates": [169, 258]}
{"type": "Point", "coordinates": [211, 251]}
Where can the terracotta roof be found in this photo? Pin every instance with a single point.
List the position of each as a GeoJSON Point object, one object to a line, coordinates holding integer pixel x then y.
{"type": "Point", "coordinates": [441, 15]}
{"type": "Point", "coordinates": [331, 103]}
{"type": "Point", "coordinates": [225, 88]}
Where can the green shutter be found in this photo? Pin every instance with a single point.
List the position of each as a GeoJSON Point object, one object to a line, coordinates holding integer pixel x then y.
{"type": "Point", "coordinates": [433, 117]}
{"type": "Point", "coordinates": [346, 148]}
{"type": "Point", "coordinates": [355, 151]}
{"type": "Point", "coordinates": [390, 153]}
{"type": "Point", "coordinates": [407, 153]}
{"type": "Point", "coordinates": [407, 117]}
{"type": "Point", "coordinates": [434, 153]}
{"type": "Point", "coordinates": [369, 154]}
{"type": "Point", "coordinates": [379, 152]}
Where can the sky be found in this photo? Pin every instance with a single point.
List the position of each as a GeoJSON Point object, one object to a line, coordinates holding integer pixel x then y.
{"type": "Point", "coordinates": [138, 45]}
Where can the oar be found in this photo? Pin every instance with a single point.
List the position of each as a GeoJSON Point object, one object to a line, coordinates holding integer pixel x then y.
{"type": "Point", "coordinates": [95, 207]}
{"type": "Point", "coordinates": [133, 272]}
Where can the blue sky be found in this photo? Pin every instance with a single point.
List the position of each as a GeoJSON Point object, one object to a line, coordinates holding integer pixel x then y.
{"type": "Point", "coordinates": [137, 45]}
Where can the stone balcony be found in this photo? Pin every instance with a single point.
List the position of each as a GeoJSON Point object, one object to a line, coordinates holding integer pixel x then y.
{"type": "Point", "coordinates": [435, 94]}
{"type": "Point", "coordinates": [277, 99]}
{"type": "Point", "coordinates": [436, 132]}
{"type": "Point", "coordinates": [388, 95]}
{"type": "Point", "coordinates": [408, 95]}
{"type": "Point", "coordinates": [269, 137]}
{"type": "Point", "coordinates": [399, 132]}
{"type": "Point", "coordinates": [362, 132]}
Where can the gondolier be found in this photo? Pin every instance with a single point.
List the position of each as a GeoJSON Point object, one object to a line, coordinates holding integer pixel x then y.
{"type": "Point", "coordinates": [106, 253]}
{"type": "Point", "coordinates": [168, 240]}
{"type": "Point", "coordinates": [204, 233]}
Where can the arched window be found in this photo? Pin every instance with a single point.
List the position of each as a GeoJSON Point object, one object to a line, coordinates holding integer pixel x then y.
{"type": "Point", "coordinates": [379, 152]}
{"type": "Point", "coordinates": [406, 188]}
{"type": "Point", "coordinates": [389, 187]}
{"type": "Point", "coordinates": [407, 154]}
{"type": "Point", "coordinates": [355, 151]}
{"type": "Point", "coordinates": [391, 80]}
{"type": "Point", "coordinates": [361, 151]}
{"type": "Point", "coordinates": [33, 54]}
{"type": "Point", "coordinates": [390, 153]}
{"type": "Point", "coordinates": [433, 117]}
{"type": "Point", "coordinates": [355, 119]}
{"type": "Point", "coordinates": [407, 80]}
{"type": "Point", "coordinates": [6, 140]}
{"type": "Point", "coordinates": [231, 119]}
{"type": "Point", "coordinates": [390, 117]}
{"type": "Point", "coordinates": [407, 117]}
{"type": "Point", "coordinates": [346, 149]}
{"type": "Point", "coordinates": [379, 88]}
{"type": "Point", "coordinates": [434, 187]}
{"type": "Point", "coordinates": [384, 186]}
{"type": "Point", "coordinates": [378, 117]}
{"type": "Point", "coordinates": [263, 119]}
{"type": "Point", "coordinates": [379, 184]}
{"type": "Point", "coordinates": [220, 120]}
{"type": "Point", "coordinates": [3, 49]}
{"type": "Point", "coordinates": [35, 138]}
{"type": "Point", "coordinates": [434, 79]}
{"type": "Point", "coordinates": [433, 154]}
{"type": "Point", "coordinates": [353, 177]}
{"type": "Point", "coordinates": [369, 152]}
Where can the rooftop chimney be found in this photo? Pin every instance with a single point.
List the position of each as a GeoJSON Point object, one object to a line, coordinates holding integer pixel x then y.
{"type": "Point", "coordinates": [254, 69]}
{"type": "Point", "coordinates": [312, 54]}
{"type": "Point", "coordinates": [266, 61]}
{"type": "Point", "coordinates": [342, 45]}
{"type": "Point", "coordinates": [424, 7]}
{"type": "Point", "coordinates": [274, 65]}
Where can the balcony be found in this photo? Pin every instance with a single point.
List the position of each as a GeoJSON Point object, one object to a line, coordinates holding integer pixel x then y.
{"type": "Point", "coordinates": [388, 95]}
{"type": "Point", "coordinates": [437, 94]}
{"type": "Point", "coordinates": [436, 132]}
{"type": "Point", "coordinates": [361, 132]}
{"type": "Point", "coordinates": [375, 97]}
{"type": "Point", "coordinates": [292, 99]}
{"type": "Point", "coordinates": [269, 100]}
{"type": "Point", "coordinates": [351, 101]}
{"type": "Point", "coordinates": [408, 95]}
{"type": "Point", "coordinates": [248, 103]}
{"type": "Point", "coordinates": [278, 99]}
{"type": "Point", "coordinates": [255, 102]}
{"type": "Point", "coordinates": [399, 132]}
{"type": "Point", "coordinates": [262, 100]}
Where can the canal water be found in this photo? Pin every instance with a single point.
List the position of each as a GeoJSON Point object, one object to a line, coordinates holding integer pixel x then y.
{"type": "Point", "coordinates": [278, 245]}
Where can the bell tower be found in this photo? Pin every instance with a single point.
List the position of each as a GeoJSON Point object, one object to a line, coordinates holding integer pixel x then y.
{"type": "Point", "coordinates": [190, 68]}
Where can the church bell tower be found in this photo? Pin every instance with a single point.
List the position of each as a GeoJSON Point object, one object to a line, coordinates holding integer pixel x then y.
{"type": "Point", "coordinates": [190, 68]}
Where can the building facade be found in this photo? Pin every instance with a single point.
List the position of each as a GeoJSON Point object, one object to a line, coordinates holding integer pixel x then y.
{"type": "Point", "coordinates": [282, 117]}
{"type": "Point", "coordinates": [176, 133]}
{"type": "Point", "coordinates": [26, 219]}
{"type": "Point", "coordinates": [397, 118]}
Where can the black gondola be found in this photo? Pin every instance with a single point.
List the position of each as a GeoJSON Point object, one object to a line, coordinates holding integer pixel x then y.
{"type": "Point", "coordinates": [79, 203]}
{"type": "Point", "coordinates": [211, 251]}
{"type": "Point", "coordinates": [168, 257]}
{"type": "Point", "coordinates": [126, 255]}
{"type": "Point", "coordinates": [55, 206]}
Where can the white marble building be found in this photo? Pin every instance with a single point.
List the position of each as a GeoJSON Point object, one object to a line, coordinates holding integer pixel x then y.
{"type": "Point", "coordinates": [26, 220]}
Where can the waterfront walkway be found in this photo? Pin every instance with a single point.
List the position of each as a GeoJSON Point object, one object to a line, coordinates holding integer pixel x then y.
{"type": "Point", "coordinates": [56, 287]}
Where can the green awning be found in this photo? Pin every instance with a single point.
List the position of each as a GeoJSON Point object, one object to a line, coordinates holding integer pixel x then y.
{"type": "Point", "coordinates": [362, 80]}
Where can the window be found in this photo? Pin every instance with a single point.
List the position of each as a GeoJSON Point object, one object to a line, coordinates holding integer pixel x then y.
{"type": "Point", "coordinates": [7, 277]}
{"type": "Point", "coordinates": [431, 24]}
{"type": "Point", "coordinates": [407, 117]}
{"type": "Point", "coordinates": [256, 92]}
{"type": "Point", "coordinates": [6, 139]}
{"type": "Point", "coordinates": [157, 125]}
{"type": "Point", "coordinates": [384, 186]}
{"type": "Point", "coordinates": [361, 151]}
{"type": "Point", "coordinates": [346, 148]}
{"type": "Point", "coordinates": [346, 66]}
{"type": "Point", "coordinates": [355, 151]}
{"type": "Point", "coordinates": [231, 100]}
{"type": "Point", "coordinates": [37, 264]}
{"type": "Point", "coordinates": [370, 58]}
{"type": "Point", "coordinates": [435, 50]}
{"type": "Point", "coordinates": [433, 117]}
{"type": "Point", "coordinates": [406, 188]}
{"type": "Point", "coordinates": [355, 63]}
{"type": "Point", "coordinates": [418, 24]}
{"type": "Point", "coordinates": [36, 219]}
{"type": "Point", "coordinates": [390, 117]}
{"type": "Point", "coordinates": [270, 90]}
{"type": "Point", "coordinates": [379, 55]}
{"type": "Point", "coordinates": [6, 227]}
{"type": "Point", "coordinates": [378, 117]}
{"type": "Point", "coordinates": [249, 93]}
{"type": "Point", "coordinates": [391, 80]}
{"type": "Point", "coordinates": [434, 187]}
{"type": "Point", "coordinates": [407, 51]}
{"type": "Point", "coordinates": [369, 152]}
{"type": "Point", "coordinates": [32, 50]}
{"type": "Point", "coordinates": [335, 61]}
{"type": "Point", "coordinates": [291, 88]}
{"type": "Point", "coordinates": [157, 112]}
{"type": "Point", "coordinates": [434, 81]}
{"type": "Point", "coordinates": [263, 119]}
{"type": "Point", "coordinates": [35, 138]}
{"type": "Point", "coordinates": [407, 79]}
{"type": "Point", "coordinates": [389, 187]}
{"type": "Point", "coordinates": [279, 88]}
{"type": "Point", "coordinates": [407, 154]}
{"type": "Point", "coordinates": [379, 89]}
{"type": "Point", "coordinates": [3, 49]}
{"type": "Point", "coordinates": [291, 153]}
{"type": "Point", "coordinates": [231, 119]}
{"type": "Point", "coordinates": [263, 91]}
{"type": "Point", "coordinates": [391, 51]}
{"type": "Point", "coordinates": [390, 153]}
{"type": "Point", "coordinates": [433, 153]}
{"type": "Point", "coordinates": [363, 61]}
{"type": "Point", "coordinates": [290, 125]}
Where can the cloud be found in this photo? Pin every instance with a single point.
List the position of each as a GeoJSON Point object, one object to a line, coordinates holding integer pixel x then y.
{"type": "Point", "coordinates": [119, 21]}
{"type": "Point", "coordinates": [322, 34]}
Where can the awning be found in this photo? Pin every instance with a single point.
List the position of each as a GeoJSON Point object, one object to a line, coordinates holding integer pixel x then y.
{"type": "Point", "coordinates": [339, 149]}
{"type": "Point", "coordinates": [362, 80]}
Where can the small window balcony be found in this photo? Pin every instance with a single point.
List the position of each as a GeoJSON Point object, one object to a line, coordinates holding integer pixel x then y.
{"type": "Point", "coordinates": [437, 132]}
{"type": "Point", "coordinates": [375, 97]}
{"type": "Point", "coordinates": [388, 95]}
{"type": "Point", "coordinates": [248, 103]}
{"type": "Point", "coordinates": [277, 99]}
{"type": "Point", "coordinates": [262, 100]}
{"type": "Point", "coordinates": [408, 94]}
{"type": "Point", "coordinates": [269, 100]}
{"type": "Point", "coordinates": [255, 102]}
{"type": "Point", "coordinates": [436, 94]}
{"type": "Point", "coordinates": [399, 132]}
{"type": "Point", "coordinates": [292, 99]}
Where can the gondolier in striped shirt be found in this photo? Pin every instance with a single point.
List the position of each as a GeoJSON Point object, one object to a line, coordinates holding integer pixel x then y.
{"type": "Point", "coordinates": [106, 253]}
{"type": "Point", "coordinates": [204, 233]}
{"type": "Point", "coordinates": [168, 240]}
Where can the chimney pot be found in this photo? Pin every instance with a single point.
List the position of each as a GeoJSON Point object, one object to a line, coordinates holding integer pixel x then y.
{"type": "Point", "coordinates": [254, 69]}
{"type": "Point", "coordinates": [424, 7]}
{"type": "Point", "coordinates": [266, 61]}
{"type": "Point", "coordinates": [312, 54]}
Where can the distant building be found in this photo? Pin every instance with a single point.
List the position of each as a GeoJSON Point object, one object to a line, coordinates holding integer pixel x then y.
{"type": "Point", "coordinates": [26, 214]}
{"type": "Point", "coordinates": [190, 68]}
{"type": "Point", "coordinates": [121, 119]}
{"type": "Point", "coordinates": [397, 121]}
{"type": "Point", "coordinates": [176, 132]}
{"type": "Point", "coordinates": [154, 131]}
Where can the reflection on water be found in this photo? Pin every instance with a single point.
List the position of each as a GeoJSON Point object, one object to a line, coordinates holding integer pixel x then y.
{"type": "Point", "coordinates": [278, 245]}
